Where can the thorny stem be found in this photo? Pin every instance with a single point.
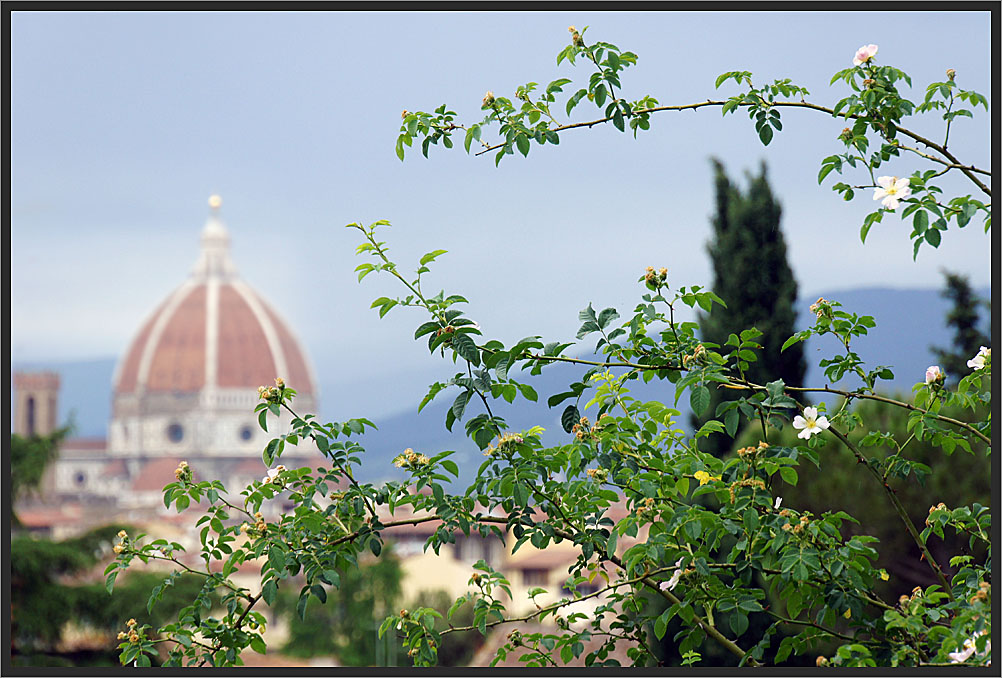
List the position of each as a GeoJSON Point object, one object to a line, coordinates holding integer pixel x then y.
{"type": "Point", "coordinates": [344, 469]}
{"type": "Point", "coordinates": [866, 396]}
{"type": "Point", "coordinates": [756, 387]}
{"type": "Point", "coordinates": [902, 513]}
{"type": "Point", "coordinates": [809, 623]}
{"type": "Point", "coordinates": [968, 170]}
{"type": "Point", "coordinates": [563, 603]}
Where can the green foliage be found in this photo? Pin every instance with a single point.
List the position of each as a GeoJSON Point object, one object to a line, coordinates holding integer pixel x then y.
{"type": "Point", "coordinates": [456, 649]}
{"type": "Point", "coordinates": [922, 474]}
{"type": "Point", "coordinates": [29, 457]}
{"type": "Point", "coordinates": [43, 602]}
{"type": "Point", "coordinates": [750, 271]}
{"type": "Point", "coordinates": [732, 562]}
{"type": "Point", "coordinates": [346, 625]}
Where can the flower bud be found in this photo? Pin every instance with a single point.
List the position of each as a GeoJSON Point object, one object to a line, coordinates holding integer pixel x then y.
{"type": "Point", "coordinates": [131, 622]}
{"type": "Point", "coordinates": [488, 99]}
{"type": "Point", "coordinates": [846, 135]}
{"type": "Point", "coordinates": [404, 114]}
{"type": "Point", "coordinates": [821, 661]}
{"type": "Point", "coordinates": [280, 382]}
{"type": "Point", "coordinates": [934, 376]}
{"type": "Point", "coordinates": [951, 74]}
{"type": "Point", "coordinates": [869, 83]}
{"type": "Point", "coordinates": [820, 307]}
{"type": "Point", "coordinates": [122, 534]}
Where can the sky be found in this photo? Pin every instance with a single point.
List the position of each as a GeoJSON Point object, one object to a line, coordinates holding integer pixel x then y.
{"type": "Point", "coordinates": [123, 124]}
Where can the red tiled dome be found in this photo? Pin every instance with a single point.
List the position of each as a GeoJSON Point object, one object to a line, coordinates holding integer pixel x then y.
{"type": "Point", "coordinates": [213, 331]}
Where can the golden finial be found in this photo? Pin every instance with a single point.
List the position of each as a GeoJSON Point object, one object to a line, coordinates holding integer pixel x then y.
{"type": "Point", "coordinates": [215, 202]}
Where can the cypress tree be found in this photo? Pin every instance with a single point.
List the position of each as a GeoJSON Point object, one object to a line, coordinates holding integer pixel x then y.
{"type": "Point", "coordinates": [751, 274]}
{"type": "Point", "coordinates": [964, 318]}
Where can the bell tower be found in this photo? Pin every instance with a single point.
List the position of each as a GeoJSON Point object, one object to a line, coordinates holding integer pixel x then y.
{"type": "Point", "coordinates": [36, 399]}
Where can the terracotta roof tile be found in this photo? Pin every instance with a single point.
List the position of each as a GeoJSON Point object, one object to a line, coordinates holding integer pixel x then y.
{"type": "Point", "coordinates": [245, 358]}
{"type": "Point", "coordinates": [155, 474]}
{"type": "Point", "coordinates": [178, 362]}
{"type": "Point", "coordinates": [129, 369]}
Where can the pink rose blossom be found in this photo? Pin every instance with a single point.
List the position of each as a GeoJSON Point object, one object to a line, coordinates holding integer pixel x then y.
{"type": "Point", "coordinates": [864, 54]}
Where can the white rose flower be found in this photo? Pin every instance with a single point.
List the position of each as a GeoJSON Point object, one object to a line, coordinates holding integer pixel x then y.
{"type": "Point", "coordinates": [810, 423]}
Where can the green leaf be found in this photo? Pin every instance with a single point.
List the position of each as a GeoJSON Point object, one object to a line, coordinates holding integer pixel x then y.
{"type": "Point", "coordinates": [617, 120]}
{"type": "Point", "coordinates": [269, 591]}
{"type": "Point", "coordinates": [276, 557]}
{"type": "Point", "coordinates": [459, 404]}
{"type": "Point", "coordinates": [789, 474]}
{"type": "Point", "coordinates": [466, 347]}
{"type": "Point", "coordinates": [570, 417]}
{"type": "Point", "coordinates": [606, 317]}
{"type": "Point", "coordinates": [257, 644]}
{"type": "Point", "coordinates": [528, 392]}
{"type": "Point", "coordinates": [610, 545]}
{"type": "Point", "coordinates": [699, 400]}
{"type": "Point", "coordinates": [933, 237]}
{"type": "Point", "coordinates": [431, 256]}
{"type": "Point", "coordinates": [731, 419]}
{"type": "Point", "coordinates": [739, 622]}
{"type": "Point", "coordinates": [522, 143]}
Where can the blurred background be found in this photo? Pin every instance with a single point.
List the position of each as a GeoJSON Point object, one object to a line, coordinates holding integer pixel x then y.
{"type": "Point", "coordinates": [143, 319]}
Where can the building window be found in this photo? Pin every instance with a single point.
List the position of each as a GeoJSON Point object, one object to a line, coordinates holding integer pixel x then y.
{"type": "Point", "coordinates": [246, 433]}
{"type": "Point", "coordinates": [80, 478]}
{"type": "Point", "coordinates": [535, 577]}
{"type": "Point", "coordinates": [175, 433]}
{"type": "Point", "coordinates": [31, 416]}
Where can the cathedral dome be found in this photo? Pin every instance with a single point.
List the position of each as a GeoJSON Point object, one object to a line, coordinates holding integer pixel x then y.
{"type": "Point", "coordinates": [190, 376]}
{"type": "Point", "coordinates": [212, 332]}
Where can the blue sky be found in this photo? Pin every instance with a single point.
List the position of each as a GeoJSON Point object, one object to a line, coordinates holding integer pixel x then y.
{"type": "Point", "coordinates": [124, 123]}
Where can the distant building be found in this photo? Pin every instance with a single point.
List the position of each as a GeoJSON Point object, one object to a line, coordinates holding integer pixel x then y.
{"type": "Point", "coordinates": [184, 389]}
{"type": "Point", "coordinates": [35, 403]}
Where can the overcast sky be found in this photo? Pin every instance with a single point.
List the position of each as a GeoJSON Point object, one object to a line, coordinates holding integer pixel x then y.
{"type": "Point", "coordinates": [124, 123]}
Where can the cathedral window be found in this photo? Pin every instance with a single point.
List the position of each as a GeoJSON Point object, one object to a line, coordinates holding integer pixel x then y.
{"type": "Point", "coordinates": [175, 433]}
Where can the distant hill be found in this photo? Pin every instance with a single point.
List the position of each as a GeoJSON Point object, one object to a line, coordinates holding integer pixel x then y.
{"type": "Point", "coordinates": [909, 322]}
